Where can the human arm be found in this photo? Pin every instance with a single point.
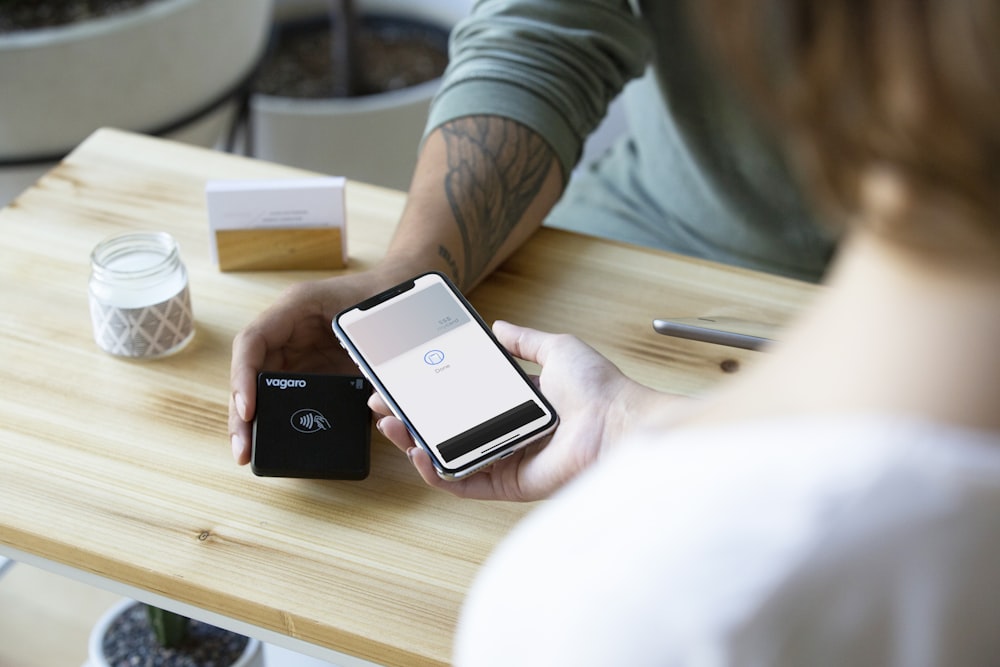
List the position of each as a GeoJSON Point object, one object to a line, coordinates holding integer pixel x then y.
{"type": "Point", "coordinates": [483, 182]}
{"type": "Point", "coordinates": [482, 186]}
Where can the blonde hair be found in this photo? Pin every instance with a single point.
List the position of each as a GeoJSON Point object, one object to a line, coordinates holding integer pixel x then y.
{"type": "Point", "coordinates": [907, 87]}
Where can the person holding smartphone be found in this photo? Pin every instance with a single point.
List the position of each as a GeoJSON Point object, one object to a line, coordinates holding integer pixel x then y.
{"type": "Point", "coordinates": [839, 503]}
{"type": "Point", "coordinates": [528, 80]}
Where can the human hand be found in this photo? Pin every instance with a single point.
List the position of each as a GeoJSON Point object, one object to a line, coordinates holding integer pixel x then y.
{"type": "Point", "coordinates": [294, 334]}
{"type": "Point", "coordinates": [595, 403]}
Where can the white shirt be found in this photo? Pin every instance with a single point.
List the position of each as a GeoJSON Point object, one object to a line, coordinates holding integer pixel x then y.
{"type": "Point", "coordinates": [813, 541]}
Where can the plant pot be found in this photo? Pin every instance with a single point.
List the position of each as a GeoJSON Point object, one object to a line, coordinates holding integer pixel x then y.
{"type": "Point", "coordinates": [372, 138]}
{"type": "Point", "coordinates": [171, 67]}
{"type": "Point", "coordinates": [252, 655]}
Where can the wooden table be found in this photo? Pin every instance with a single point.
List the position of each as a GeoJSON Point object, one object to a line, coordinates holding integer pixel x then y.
{"type": "Point", "coordinates": [120, 472]}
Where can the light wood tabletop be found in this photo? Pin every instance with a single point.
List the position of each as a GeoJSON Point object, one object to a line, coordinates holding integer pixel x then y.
{"type": "Point", "coordinates": [121, 469]}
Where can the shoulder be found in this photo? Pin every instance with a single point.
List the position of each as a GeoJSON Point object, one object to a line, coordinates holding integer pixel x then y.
{"type": "Point", "coordinates": [728, 539]}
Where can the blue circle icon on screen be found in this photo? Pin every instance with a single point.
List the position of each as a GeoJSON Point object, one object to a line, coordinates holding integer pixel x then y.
{"type": "Point", "coordinates": [434, 357]}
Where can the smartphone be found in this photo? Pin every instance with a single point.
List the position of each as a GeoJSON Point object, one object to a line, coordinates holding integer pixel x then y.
{"type": "Point", "coordinates": [463, 397]}
{"type": "Point", "coordinates": [730, 331]}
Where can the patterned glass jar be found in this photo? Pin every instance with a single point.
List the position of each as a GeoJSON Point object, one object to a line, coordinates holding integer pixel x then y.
{"type": "Point", "coordinates": [139, 300]}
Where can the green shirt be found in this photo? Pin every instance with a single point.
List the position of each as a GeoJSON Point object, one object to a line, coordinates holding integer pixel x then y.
{"type": "Point", "coordinates": [695, 174]}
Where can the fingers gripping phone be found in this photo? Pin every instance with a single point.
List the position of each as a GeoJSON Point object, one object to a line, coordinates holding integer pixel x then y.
{"type": "Point", "coordinates": [436, 363]}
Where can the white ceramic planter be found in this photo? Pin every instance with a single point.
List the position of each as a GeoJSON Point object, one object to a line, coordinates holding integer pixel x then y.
{"type": "Point", "coordinates": [373, 138]}
{"type": "Point", "coordinates": [142, 70]}
{"type": "Point", "coordinates": [253, 654]}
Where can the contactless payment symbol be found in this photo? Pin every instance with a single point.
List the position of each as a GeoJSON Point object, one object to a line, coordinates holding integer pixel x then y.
{"type": "Point", "coordinates": [308, 420]}
{"type": "Point", "coordinates": [434, 357]}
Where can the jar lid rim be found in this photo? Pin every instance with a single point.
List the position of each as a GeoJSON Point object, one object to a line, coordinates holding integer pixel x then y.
{"type": "Point", "coordinates": [121, 245]}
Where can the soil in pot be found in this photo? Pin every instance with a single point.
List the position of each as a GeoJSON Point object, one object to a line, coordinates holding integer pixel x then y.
{"type": "Point", "coordinates": [31, 14]}
{"type": "Point", "coordinates": [129, 641]}
{"type": "Point", "coordinates": [391, 53]}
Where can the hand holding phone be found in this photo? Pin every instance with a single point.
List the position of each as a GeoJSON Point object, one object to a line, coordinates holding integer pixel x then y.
{"type": "Point", "coordinates": [441, 371]}
{"type": "Point", "coordinates": [595, 402]}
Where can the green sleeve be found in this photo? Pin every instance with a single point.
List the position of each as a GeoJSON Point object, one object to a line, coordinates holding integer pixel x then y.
{"type": "Point", "coordinates": [551, 65]}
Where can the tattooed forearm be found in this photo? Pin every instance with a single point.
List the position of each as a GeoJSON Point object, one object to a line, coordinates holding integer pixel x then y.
{"type": "Point", "coordinates": [452, 264]}
{"type": "Point", "coordinates": [496, 168]}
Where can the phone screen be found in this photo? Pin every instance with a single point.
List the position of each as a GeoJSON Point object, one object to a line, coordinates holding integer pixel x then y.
{"type": "Point", "coordinates": [436, 363]}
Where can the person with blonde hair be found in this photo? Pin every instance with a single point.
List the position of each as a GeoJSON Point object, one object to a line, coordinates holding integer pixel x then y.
{"type": "Point", "coordinates": [839, 503]}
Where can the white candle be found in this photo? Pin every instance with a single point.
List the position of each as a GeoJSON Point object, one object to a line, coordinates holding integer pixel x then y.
{"type": "Point", "coordinates": [139, 299]}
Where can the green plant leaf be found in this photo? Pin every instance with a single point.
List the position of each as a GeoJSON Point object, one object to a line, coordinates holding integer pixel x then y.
{"type": "Point", "coordinates": [170, 628]}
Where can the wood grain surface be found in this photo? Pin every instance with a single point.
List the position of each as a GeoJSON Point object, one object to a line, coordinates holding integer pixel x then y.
{"type": "Point", "coordinates": [279, 249]}
{"type": "Point", "coordinates": [122, 468]}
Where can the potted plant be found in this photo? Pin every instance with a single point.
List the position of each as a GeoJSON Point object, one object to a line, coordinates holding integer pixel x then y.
{"type": "Point", "coordinates": [368, 128]}
{"type": "Point", "coordinates": [167, 67]}
{"type": "Point", "coordinates": [132, 633]}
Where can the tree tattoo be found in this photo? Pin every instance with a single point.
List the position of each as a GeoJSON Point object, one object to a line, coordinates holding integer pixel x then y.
{"type": "Point", "coordinates": [496, 168]}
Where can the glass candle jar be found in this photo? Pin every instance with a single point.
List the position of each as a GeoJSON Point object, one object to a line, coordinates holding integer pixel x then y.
{"type": "Point", "coordinates": [139, 300]}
